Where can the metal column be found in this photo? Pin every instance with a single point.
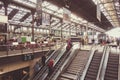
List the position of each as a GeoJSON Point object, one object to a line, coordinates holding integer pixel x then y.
{"type": "Point", "coordinates": [32, 26]}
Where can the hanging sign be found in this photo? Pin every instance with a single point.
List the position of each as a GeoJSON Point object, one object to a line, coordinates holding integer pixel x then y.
{"type": "Point", "coordinates": [98, 12]}
{"type": "Point", "coordinates": [45, 19]}
{"type": "Point", "coordinates": [3, 19]}
{"type": "Point", "coordinates": [39, 12]}
{"type": "Point", "coordinates": [66, 15]}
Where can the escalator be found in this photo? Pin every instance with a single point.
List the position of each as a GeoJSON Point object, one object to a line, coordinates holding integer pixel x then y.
{"type": "Point", "coordinates": [58, 65]}
{"type": "Point", "coordinates": [55, 55]}
{"type": "Point", "coordinates": [94, 66]}
{"type": "Point", "coordinates": [50, 52]}
{"type": "Point", "coordinates": [75, 66]}
{"type": "Point", "coordinates": [112, 67]}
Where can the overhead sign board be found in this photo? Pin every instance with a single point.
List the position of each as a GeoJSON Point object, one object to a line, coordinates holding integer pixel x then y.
{"type": "Point", "coordinates": [66, 15]}
{"type": "Point", "coordinates": [98, 12]}
{"type": "Point", "coordinates": [39, 12]}
{"type": "Point", "coordinates": [3, 19]}
{"type": "Point", "coordinates": [45, 19]}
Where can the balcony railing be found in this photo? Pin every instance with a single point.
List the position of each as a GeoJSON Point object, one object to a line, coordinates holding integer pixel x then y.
{"type": "Point", "coordinates": [12, 50]}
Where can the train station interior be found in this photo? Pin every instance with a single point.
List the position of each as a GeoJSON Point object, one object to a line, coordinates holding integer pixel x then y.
{"type": "Point", "coordinates": [59, 39]}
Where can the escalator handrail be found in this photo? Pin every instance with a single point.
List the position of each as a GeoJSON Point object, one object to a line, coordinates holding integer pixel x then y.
{"type": "Point", "coordinates": [78, 74]}
{"type": "Point", "coordinates": [55, 65]}
{"type": "Point", "coordinates": [92, 51]}
{"type": "Point", "coordinates": [54, 53]}
{"type": "Point", "coordinates": [101, 63]}
{"type": "Point", "coordinates": [104, 65]}
{"type": "Point", "coordinates": [57, 60]}
{"type": "Point", "coordinates": [54, 77]}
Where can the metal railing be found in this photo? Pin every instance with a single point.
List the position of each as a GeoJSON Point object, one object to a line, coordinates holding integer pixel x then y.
{"type": "Point", "coordinates": [66, 60]}
{"type": "Point", "coordinates": [101, 63]}
{"type": "Point", "coordinates": [92, 51]}
{"type": "Point", "coordinates": [88, 63]}
{"type": "Point", "coordinates": [55, 63]}
{"type": "Point", "coordinates": [100, 67]}
{"type": "Point", "coordinates": [87, 66]}
{"type": "Point", "coordinates": [44, 69]}
{"type": "Point", "coordinates": [41, 67]}
{"type": "Point", "coordinates": [11, 50]}
{"type": "Point", "coordinates": [104, 64]}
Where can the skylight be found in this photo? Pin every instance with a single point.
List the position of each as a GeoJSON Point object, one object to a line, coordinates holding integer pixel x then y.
{"type": "Point", "coordinates": [114, 32]}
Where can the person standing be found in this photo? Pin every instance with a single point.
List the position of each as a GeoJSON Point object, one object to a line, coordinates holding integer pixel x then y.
{"type": "Point", "coordinates": [43, 59]}
{"type": "Point", "coordinates": [36, 68]}
{"type": "Point", "coordinates": [118, 42]}
{"type": "Point", "coordinates": [50, 66]}
{"type": "Point", "coordinates": [93, 41]}
{"type": "Point", "coordinates": [82, 42]}
{"type": "Point", "coordinates": [69, 45]}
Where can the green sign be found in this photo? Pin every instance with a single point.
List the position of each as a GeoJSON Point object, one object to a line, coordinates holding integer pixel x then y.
{"type": "Point", "coordinates": [24, 39]}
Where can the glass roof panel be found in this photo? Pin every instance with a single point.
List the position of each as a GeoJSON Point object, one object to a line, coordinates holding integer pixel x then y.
{"type": "Point", "coordinates": [19, 15]}
{"type": "Point", "coordinates": [106, 1]}
{"type": "Point", "coordinates": [2, 11]}
{"type": "Point", "coordinates": [108, 7]}
{"type": "Point", "coordinates": [45, 3]}
{"type": "Point", "coordinates": [48, 7]}
{"type": "Point", "coordinates": [114, 32]}
{"type": "Point", "coordinates": [48, 11]}
{"type": "Point", "coordinates": [57, 26]}
{"type": "Point", "coordinates": [116, 3]}
{"type": "Point", "coordinates": [26, 2]}
{"type": "Point", "coordinates": [60, 11]}
{"type": "Point", "coordinates": [95, 1]}
{"type": "Point", "coordinates": [112, 13]}
{"type": "Point", "coordinates": [52, 7]}
{"type": "Point", "coordinates": [34, 1]}
{"type": "Point", "coordinates": [29, 19]}
{"type": "Point", "coordinates": [9, 10]}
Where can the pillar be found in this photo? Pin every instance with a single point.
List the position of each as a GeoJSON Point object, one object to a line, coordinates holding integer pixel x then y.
{"type": "Point", "coordinates": [61, 30]}
{"type": "Point", "coordinates": [6, 14]}
{"type": "Point", "coordinates": [33, 20]}
{"type": "Point", "coordinates": [76, 30]}
{"type": "Point", "coordinates": [70, 30]}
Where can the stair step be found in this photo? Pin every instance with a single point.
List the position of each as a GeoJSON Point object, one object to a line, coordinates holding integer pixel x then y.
{"type": "Point", "coordinates": [69, 76]}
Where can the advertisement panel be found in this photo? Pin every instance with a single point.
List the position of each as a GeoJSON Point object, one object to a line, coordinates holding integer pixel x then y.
{"type": "Point", "coordinates": [66, 15]}
{"type": "Point", "coordinates": [98, 12]}
{"type": "Point", "coordinates": [45, 19]}
{"type": "Point", "coordinates": [39, 12]}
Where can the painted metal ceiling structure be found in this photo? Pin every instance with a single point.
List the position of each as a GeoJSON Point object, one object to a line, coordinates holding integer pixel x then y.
{"type": "Point", "coordinates": [87, 10]}
{"type": "Point", "coordinates": [19, 11]}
